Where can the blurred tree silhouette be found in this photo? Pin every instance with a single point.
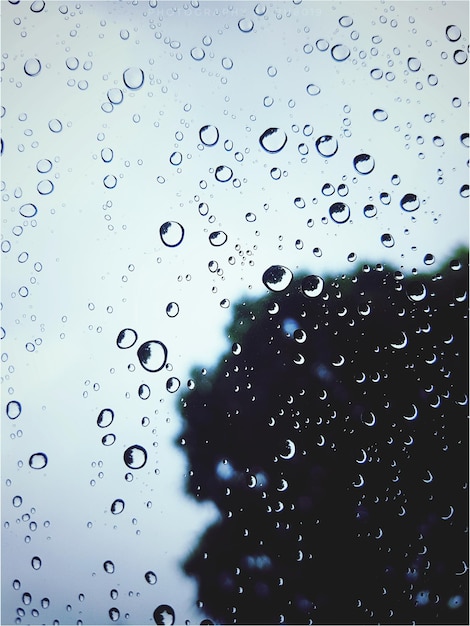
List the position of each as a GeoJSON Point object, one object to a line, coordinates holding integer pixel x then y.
{"type": "Point", "coordinates": [333, 439]}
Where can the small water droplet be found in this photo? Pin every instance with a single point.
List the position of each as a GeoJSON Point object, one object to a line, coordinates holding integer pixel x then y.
{"type": "Point", "coordinates": [135, 457]}
{"type": "Point", "coordinates": [340, 212]}
{"type": "Point", "coordinates": [144, 392]}
{"type": "Point", "coordinates": [108, 440]}
{"type": "Point", "coordinates": [105, 418]}
{"type": "Point", "coordinates": [176, 158]}
{"type": "Point", "coordinates": [380, 115]}
{"type": "Point", "coordinates": [197, 54]}
{"type": "Point", "coordinates": [115, 95]}
{"type": "Point", "coordinates": [218, 238]}
{"type": "Point", "coordinates": [327, 145]}
{"type": "Point", "coordinates": [387, 240]}
{"type": "Point", "coordinates": [36, 563]}
{"type": "Point", "coordinates": [28, 210]}
{"type": "Point", "coordinates": [151, 577]}
{"type": "Point", "coordinates": [17, 501]}
{"type": "Point", "coordinates": [152, 355]}
{"type": "Point", "coordinates": [223, 173]}
{"type": "Point", "coordinates": [245, 25]}
{"type": "Point", "coordinates": [32, 67]}
{"type": "Point", "coordinates": [173, 384]}
{"type": "Point", "coordinates": [363, 163]}
{"type": "Point", "coordinates": [117, 506]}
{"type": "Point", "coordinates": [273, 140]}
{"type": "Point", "coordinates": [13, 409]}
{"type": "Point", "coordinates": [172, 309]}
{"type": "Point", "coordinates": [313, 90]}
{"type": "Point", "coordinates": [209, 135]}
{"type": "Point", "coordinates": [55, 125]}
{"type": "Point", "coordinates": [43, 166]}
{"type": "Point", "coordinates": [340, 52]}
{"type": "Point", "coordinates": [277, 278]}
{"type": "Point", "coordinates": [414, 64]}
{"type": "Point", "coordinates": [460, 57]}
{"type": "Point", "coordinates": [126, 338]}
{"type": "Point", "coordinates": [108, 567]}
{"type": "Point", "coordinates": [38, 460]}
{"type": "Point", "coordinates": [133, 78]}
{"type": "Point", "coordinates": [453, 33]}
{"type": "Point", "coordinates": [171, 234]}
{"type": "Point", "coordinates": [45, 187]}
{"type": "Point", "coordinates": [409, 202]}
{"type": "Point", "coordinates": [416, 291]}
{"type": "Point", "coordinates": [312, 286]}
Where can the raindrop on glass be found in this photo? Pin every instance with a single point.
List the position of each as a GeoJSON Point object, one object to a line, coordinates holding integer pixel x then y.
{"type": "Point", "coordinates": [108, 567]}
{"type": "Point", "coordinates": [28, 210]}
{"type": "Point", "coordinates": [105, 418]}
{"type": "Point", "coordinates": [277, 278]}
{"type": "Point", "coordinates": [218, 238]}
{"type": "Point", "coordinates": [387, 240]}
{"type": "Point", "coordinates": [151, 577]}
{"type": "Point", "coordinates": [273, 140]}
{"type": "Point", "coordinates": [340, 52]}
{"type": "Point", "coordinates": [36, 563]}
{"type": "Point", "coordinates": [133, 77]}
{"type": "Point", "coordinates": [209, 135]}
{"type": "Point", "coordinates": [13, 409]}
{"type": "Point", "coordinates": [171, 234]}
{"type": "Point", "coordinates": [117, 506]}
{"type": "Point", "coordinates": [198, 54]}
{"type": "Point", "coordinates": [453, 33]}
{"type": "Point", "coordinates": [126, 338]}
{"type": "Point", "coordinates": [380, 115]}
{"type": "Point", "coordinates": [172, 309]}
{"type": "Point", "coordinates": [339, 212]}
{"type": "Point", "coordinates": [312, 286]}
{"type": "Point", "coordinates": [327, 145]}
{"type": "Point", "coordinates": [409, 202]}
{"type": "Point", "coordinates": [38, 460]}
{"type": "Point", "coordinates": [223, 173]}
{"type": "Point", "coordinates": [135, 457]}
{"type": "Point", "coordinates": [152, 355]}
{"type": "Point", "coordinates": [32, 67]}
{"type": "Point", "coordinates": [164, 614]}
{"type": "Point", "coordinates": [173, 384]}
{"type": "Point", "coordinates": [363, 163]}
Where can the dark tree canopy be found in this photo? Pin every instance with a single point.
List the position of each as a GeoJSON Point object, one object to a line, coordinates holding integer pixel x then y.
{"type": "Point", "coordinates": [333, 439]}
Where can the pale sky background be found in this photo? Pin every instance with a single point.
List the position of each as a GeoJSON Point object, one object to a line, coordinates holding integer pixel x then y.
{"type": "Point", "coordinates": [103, 266]}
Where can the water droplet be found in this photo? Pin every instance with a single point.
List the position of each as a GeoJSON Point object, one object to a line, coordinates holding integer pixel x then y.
{"type": "Point", "coordinates": [37, 6]}
{"type": "Point", "coordinates": [416, 292]}
{"type": "Point", "coordinates": [172, 309]}
{"type": "Point", "coordinates": [36, 563]}
{"type": "Point", "coordinates": [245, 25]}
{"type": "Point", "coordinates": [17, 501]}
{"type": "Point", "coordinates": [227, 63]}
{"type": "Point", "coordinates": [106, 155]}
{"type": "Point", "coordinates": [223, 173]}
{"type": "Point", "coordinates": [55, 125]}
{"type": "Point", "coordinates": [299, 202]}
{"type": "Point", "coordinates": [327, 145]}
{"type": "Point", "coordinates": [401, 343]}
{"type": "Point", "coordinates": [32, 67]}
{"type": "Point", "coordinates": [328, 189]}
{"type": "Point", "coordinates": [380, 115]}
{"type": "Point", "coordinates": [164, 614]}
{"type": "Point", "coordinates": [460, 57]}
{"type": "Point", "coordinates": [144, 392]}
{"type": "Point", "coordinates": [197, 54]}
{"type": "Point", "coordinates": [26, 598]}
{"type": "Point", "coordinates": [28, 210]}
{"type": "Point", "coordinates": [409, 202]}
{"type": "Point", "coordinates": [363, 163]}
{"type": "Point", "coordinates": [312, 286]}
{"type": "Point", "coordinates": [340, 52]}
{"type": "Point", "coordinates": [209, 135]}
{"type": "Point", "coordinates": [108, 440]}
{"type": "Point", "coordinates": [126, 338]}
{"type": "Point", "coordinates": [171, 234]}
{"type": "Point", "coordinates": [339, 212]}
{"type": "Point", "coordinates": [152, 355]}
{"type": "Point", "coordinates": [453, 33]}
{"type": "Point", "coordinates": [108, 567]}
{"type": "Point", "coordinates": [45, 187]}
{"type": "Point", "coordinates": [13, 409]}
{"type": "Point", "coordinates": [45, 603]}
{"type": "Point", "coordinates": [387, 240]}
{"type": "Point", "coordinates": [135, 457]}
{"type": "Point", "coordinates": [236, 349]}
{"type": "Point", "coordinates": [289, 450]}
{"type": "Point", "coordinates": [414, 64]}
{"type": "Point", "coordinates": [346, 21]}
{"type": "Point", "coordinates": [273, 140]}
{"type": "Point", "coordinates": [110, 181]}
{"type": "Point", "coordinates": [176, 158]}
{"type": "Point", "coordinates": [173, 384]}
{"type": "Point", "coordinates": [117, 506]}
{"type": "Point", "coordinates": [43, 166]}
{"type": "Point", "coordinates": [38, 460]}
{"type": "Point", "coordinates": [428, 259]}
{"type": "Point", "coordinates": [313, 90]}
{"type": "Point", "coordinates": [277, 278]}
{"type": "Point", "coordinates": [133, 77]}
{"type": "Point", "coordinates": [463, 191]}
{"type": "Point", "coordinates": [151, 577]}
{"type": "Point", "coordinates": [464, 140]}
{"type": "Point", "coordinates": [218, 238]}
{"type": "Point", "coordinates": [114, 614]}
{"type": "Point", "coordinates": [105, 418]}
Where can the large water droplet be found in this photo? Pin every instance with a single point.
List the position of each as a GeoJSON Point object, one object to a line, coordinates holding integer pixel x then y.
{"type": "Point", "coordinates": [105, 418]}
{"type": "Point", "coordinates": [172, 309]}
{"type": "Point", "coordinates": [114, 614]}
{"type": "Point", "coordinates": [218, 238]}
{"type": "Point", "coordinates": [387, 240]}
{"type": "Point", "coordinates": [151, 577]}
{"type": "Point", "coordinates": [171, 234]}
{"type": "Point", "coordinates": [38, 461]}
{"type": "Point", "coordinates": [245, 25]}
{"type": "Point", "coordinates": [36, 563]}
{"type": "Point", "coordinates": [108, 567]}
{"type": "Point", "coordinates": [363, 163]}
{"type": "Point", "coordinates": [313, 90]}
{"type": "Point", "coordinates": [340, 52]}
{"type": "Point", "coordinates": [115, 95]}
{"type": "Point", "coordinates": [409, 202]}
{"type": "Point", "coordinates": [117, 506]}
{"type": "Point", "coordinates": [32, 67]}
{"type": "Point", "coordinates": [223, 173]}
{"type": "Point", "coordinates": [176, 158]}
{"type": "Point", "coordinates": [197, 54]}
{"type": "Point", "coordinates": [135, 457]}
{"type": "Point", "coordinates": [380, 115]}
{"type": "Point", "coordinates": [173, 384]}
{"type": "Point", "coordinates": [277, 278]}
{"type": "Point", "coordinates": [13, 409]}
{"type": "Point", "coordinates": [312, 286]}
{"type": "Point", "coordinates": [164, 614]}
{"type": "Point", "coordinates": [152, 355]}
{"type": "Point", "coordinates": [133, 77]}
{"type": "Point", "coordinates": [126, 338]}
{"type": "Point", "coordinates": [273, 140]}
{"type": "Point", "coordinates": [416, 291]}
{"type": "Point", "coordinates": [209, 135]}
{"type": "Point", "coordinates": [460, 57]}
{"type": "Point", "coordinates": [28, 210]}
{"type": "Point", "coordinates": [43, 166]}
{"type": "Point", "coordinates": [55, 125]}
{"type": "Point", "coordinates": [339, 212]}
{"type": "Point", "coordinates": [327, 145]}
{"type": "Point", "coordinates": [414, 64]}
{"type": "Point", "coordinates": [370, 210]}
{"type": "Point", "coordinates": [453, 33]}
{"type": "Point", "coordinates": [289, 450]}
